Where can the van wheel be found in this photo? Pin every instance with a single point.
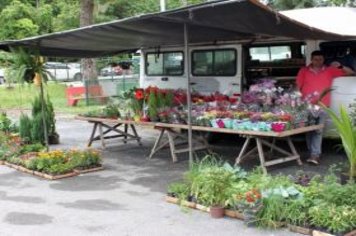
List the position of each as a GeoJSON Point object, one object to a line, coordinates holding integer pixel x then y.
{"type": "Point", "coordinates": [78, 77]}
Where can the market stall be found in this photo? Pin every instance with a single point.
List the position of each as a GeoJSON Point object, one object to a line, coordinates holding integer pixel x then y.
{"type": "Point", "coordinates": [265, 113]}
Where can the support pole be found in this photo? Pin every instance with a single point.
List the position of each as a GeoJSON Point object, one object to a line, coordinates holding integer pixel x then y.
{"type": "Point", "coordinates": [189, 101]}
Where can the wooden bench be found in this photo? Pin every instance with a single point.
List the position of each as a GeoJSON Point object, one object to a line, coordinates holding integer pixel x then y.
{"type": "Point", "coordinates": [74, 94]}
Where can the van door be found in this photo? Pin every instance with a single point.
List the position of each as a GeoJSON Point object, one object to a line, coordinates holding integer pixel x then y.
{"type": "Point", "coordinates": [163, 68]}
{"type": "Point", "coordinates": [216, 69]}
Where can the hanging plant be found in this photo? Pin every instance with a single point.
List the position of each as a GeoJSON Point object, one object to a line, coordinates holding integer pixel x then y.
{"type": "Point", "coordinates": [28, 66]}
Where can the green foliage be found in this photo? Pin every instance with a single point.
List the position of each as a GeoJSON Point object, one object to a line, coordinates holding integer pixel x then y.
{"type": "Point", "coordinates": [37, 130]}
{"type": "Point", "coordinates": [6, 124]}
{"type": "Point", "coordinates": [84, 159]}
{"type": "Point", "coordinates": [15, 160]}
{"type": "Point", "coordinates": [25, 127]}
{"type": "Point", "coordinates": [295, 212]}
{"type": "Point", "coordinates": [112, 111]}
{"type": "Point", "coordinates": [270, 215]}
{"type": "Point", "coordinates": [26, 64]}
{"type": "Point", "coordinates": [347, 132]}
{"type": "Point", "coordinates": [152, 106]}
{"type": "Point", "coordinates": [337, 219]}
{"type": "Point", "coordinates": [180, 190]}
{"type": "Point", "coordinates": [36, 147]}
{"type": "Point", "coordinates": [17, 21]}
{"type": "Point", "coordinates": [213, 182]}
{"type": "Point", "coordinates": [60, 168]}
{"type": "Point", "coordinates": [66, 15]}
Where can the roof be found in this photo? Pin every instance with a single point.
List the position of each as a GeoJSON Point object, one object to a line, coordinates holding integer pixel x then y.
{"type": "Point", "coordinates": [209, 22]}
{"type": "Point", "coordinates": [342, 19]}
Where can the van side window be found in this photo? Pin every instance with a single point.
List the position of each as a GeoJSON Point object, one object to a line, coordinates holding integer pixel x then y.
{"type": "Point", "coordinates": [218, 62]}
{"type": "Point", "coordinates": [164, 63]}
{"type": "Point", "coordinates": [270, 53]}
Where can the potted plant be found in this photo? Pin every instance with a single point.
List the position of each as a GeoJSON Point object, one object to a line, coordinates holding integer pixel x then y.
{"type": "Point", "coordinates": [347, 131]}
{"type": "Point", "coordinates": [211, 187]}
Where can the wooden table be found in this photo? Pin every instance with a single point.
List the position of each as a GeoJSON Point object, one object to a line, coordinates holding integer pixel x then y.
{"type": "Point", "coordinates": [261, 138]}
{"type": "Point", "coordinates": [175, 139]}
{"type": "Point", "coordinates": [107, 126]}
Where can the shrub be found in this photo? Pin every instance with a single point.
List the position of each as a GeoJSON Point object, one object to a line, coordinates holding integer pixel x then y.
{"type": "Point", "coordinates": [336, 219]}
{"type": "Point", "coordinates": [25, 127]}
{"type": "Point", "coordinates": [84, 159]}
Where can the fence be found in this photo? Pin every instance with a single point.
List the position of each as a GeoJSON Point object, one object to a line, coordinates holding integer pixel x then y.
{"type": "Point", "coordinates": [94, 92]}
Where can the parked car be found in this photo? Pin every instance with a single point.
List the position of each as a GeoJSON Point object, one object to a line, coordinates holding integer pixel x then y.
{"type": "Point", "coordinates": [117, 68]}
{"type": "Point", "coordinates": [64, 72]}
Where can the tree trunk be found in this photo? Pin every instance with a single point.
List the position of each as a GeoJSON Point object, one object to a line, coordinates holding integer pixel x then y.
{"type": "Point", "coordinates": [87, 18]}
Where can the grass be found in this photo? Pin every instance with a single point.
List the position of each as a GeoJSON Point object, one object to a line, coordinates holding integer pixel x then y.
{"type": "Point", "coordinates": [21, 97]}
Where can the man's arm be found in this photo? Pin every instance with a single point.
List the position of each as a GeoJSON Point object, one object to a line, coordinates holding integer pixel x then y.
{"type": "Point", "coordinates": [345, 69]}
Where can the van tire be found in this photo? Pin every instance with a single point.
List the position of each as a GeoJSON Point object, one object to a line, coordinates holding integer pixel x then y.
{"type": "Point", "coordinates": [78, 77]}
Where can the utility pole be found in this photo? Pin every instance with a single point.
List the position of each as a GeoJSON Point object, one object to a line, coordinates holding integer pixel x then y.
{"type": "Point", "coordinates": [163, 5]}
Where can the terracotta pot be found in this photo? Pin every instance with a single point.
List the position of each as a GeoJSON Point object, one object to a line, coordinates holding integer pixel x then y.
{"type": "Point", "coordinates": [217, 212]}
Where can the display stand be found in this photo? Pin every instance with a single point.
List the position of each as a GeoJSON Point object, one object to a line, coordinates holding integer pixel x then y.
{"type": "Point", "coordinates": [289, 155]}
{"type": "Point", "coordinates": [107, 127]}
{"type": "Point", "coordinates": [175, 140]}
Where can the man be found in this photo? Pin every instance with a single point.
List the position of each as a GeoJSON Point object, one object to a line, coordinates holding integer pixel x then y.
{"type": "Point", "coordinates": [315, 78]}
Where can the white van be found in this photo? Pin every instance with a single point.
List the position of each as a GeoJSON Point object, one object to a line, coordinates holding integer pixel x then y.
{"type": "Point", "coordinates": [231, 68]}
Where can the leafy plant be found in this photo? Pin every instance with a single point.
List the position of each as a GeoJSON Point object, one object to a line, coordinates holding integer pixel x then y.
{"type": "Point", "coordinates": [25, 127]}
{"type": "Point", "coordinates": [211, 186]}
{"type": "Point", "coordinates": [347, 132]}
{"type": "Point", "coordinates": [84, 159]}
{"type": "Point", "coordinates": [180, 190]}
{"type": "Point", "coordinates": [6, 124]}
{"type": "Point", "coordinates": [336, 219]}
{"type": "Point", "coordinates": [60, 168]}
{"type": "Point", "coordinates": [27, 64]}
{"type": "Point", "coordinates": [31, 148]}
{"type": "Point", "coordinates": [270, 215]}
{"type": "Point", "coordinates": [152, 106]}
{"type": "Point", "coordinates": [111, 111]}
{"type": "Point", "coordinates": [15, 160]}
{"type": "Point", "coordinates": [295, 212]}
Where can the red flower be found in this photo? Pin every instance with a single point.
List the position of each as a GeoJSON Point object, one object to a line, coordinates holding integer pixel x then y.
{"type": "Point", "coordinates": [139, 94]}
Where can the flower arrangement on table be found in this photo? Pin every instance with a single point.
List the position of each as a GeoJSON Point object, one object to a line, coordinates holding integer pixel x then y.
{"type": "Point", "coordinates": [264, 107]}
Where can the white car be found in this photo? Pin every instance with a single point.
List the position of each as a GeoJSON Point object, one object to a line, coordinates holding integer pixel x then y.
{"type": "Point", "coordinates": [64, 72]}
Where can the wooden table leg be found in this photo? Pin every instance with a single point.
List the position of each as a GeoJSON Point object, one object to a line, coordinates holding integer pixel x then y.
{"type": "Point", "coordinates": [91, 139]}
{"type": "Point", "coordinates": [125, 130]}
{"type": "Point", "coordinates": [261, 154]}
{"type": "Point", "coordinates": [136, 135]}
{"type": "Point", "coordinates": [294, 151]}
{"type": "Point", "coordinates": [243, 150]}
{"type": "Point", "coordinates": [101, 136]}
{"type": "Point", "coordinates": [172, 146]}
{"type": "Point", "coordinates": [157, 142]}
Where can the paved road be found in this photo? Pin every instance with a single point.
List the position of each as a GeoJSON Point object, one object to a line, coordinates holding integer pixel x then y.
{"type": "Point", "coordinates": [124, 199]}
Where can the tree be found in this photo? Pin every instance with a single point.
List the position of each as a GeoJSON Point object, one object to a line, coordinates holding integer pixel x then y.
{"type": "Point", "coordinates": [86, 18]}
{"type": "Point", "coordinates": [20, 19]}
{"type": "Point", "coordinates": [291, 4]}
{"type": "Point", "coordinates": [17, 22]}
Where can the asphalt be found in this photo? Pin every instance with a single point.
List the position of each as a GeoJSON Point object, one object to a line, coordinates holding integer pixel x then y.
{"type": "Point", "coordinates": [127, 198]}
